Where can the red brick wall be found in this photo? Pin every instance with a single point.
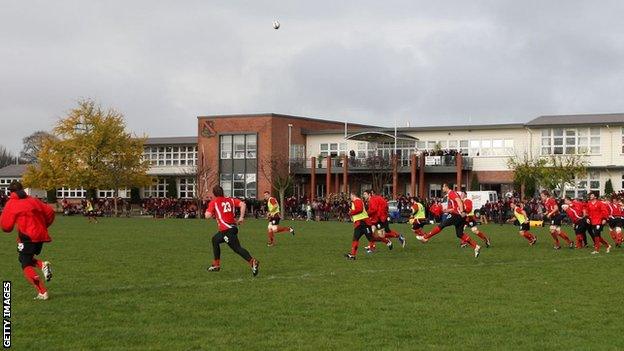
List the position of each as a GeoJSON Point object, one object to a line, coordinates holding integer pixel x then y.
{"type": "Point", "coordinates": [272, 133]}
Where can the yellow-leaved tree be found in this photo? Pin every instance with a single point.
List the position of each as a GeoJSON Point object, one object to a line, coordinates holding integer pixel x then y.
{"type": "Point", "coordinates": [91, 149]}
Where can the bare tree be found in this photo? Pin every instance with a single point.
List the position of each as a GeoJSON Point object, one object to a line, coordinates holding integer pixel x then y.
{"type": "Point", "coordinates": [6, 157]}
{"type": "Point", "coordinates": [380, 170]}
{"type": "Point", "coordinates": [275, 171]}
{"type": "Point", "coordinates": [32, 145]}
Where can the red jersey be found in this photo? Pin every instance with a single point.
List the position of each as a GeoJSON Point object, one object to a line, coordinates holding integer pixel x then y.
{"type": "Point", "coordinates": [223, 210]}
{"type": "Point", "coordinates": [377, 208]}
{"type": "Point", "coordinates": [31, 216]}
{"type": "Point", "coordinates": [436, 209]}
{"type": "Point", "coordinates": [467, 205]}
{"type": "Point", "coordinates": [551, 206]}
{"type": "Point", "coordinates": [614, 209]}
{"type": "Point", "coordinates": [597, 211]}
{"type": "Point", "coordinates": [452, 202]}
{"type": "Point", "coordinates": [575, 211]}
{"type": "Point", "coordinates": [357, 207]}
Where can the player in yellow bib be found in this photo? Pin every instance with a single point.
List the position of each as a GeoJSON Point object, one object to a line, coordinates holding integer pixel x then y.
{"type": "Point", "coordinates": [90, 212]}
{"type": "Point", "coordinates": [520, 218]}
{"type": "Point", "coordinates": [418, 219]}
{"type": "Point", "coordinates": [273, 210]}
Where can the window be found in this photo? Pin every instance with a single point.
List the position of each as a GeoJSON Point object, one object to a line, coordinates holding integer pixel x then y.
{"type": "Point", "coordinates": [4, 185]}
{"type": "Point", "coordinates": [239, 146]}
{"type": "Point", "coordinates": [157, 189]}
{"type": "Point", "coordinates": [463, 147]}
{"type": "Point", "coordinates": [241, 185]}
{"type": "Point", "coordinates": [251, 147]}
{"type": "Point", "coordinates": [187, 188]}
{"type": "Point", "coordinates": [71, 193]}
{"type": "Point", "coordinates": [570, 141]}
{"type": "Point", "coordinates": [333, 149]}
{"type": "Point", "coordinates": [106, 193]}
{"type": "Point", "coordinates": [225, 180]}
{"type": "Point", "coordinates": [226, 146]}
{"type": "Point", "coordinates": [297, 151]}
{"type": "Point", "coordinates": [623, 144]}
{"type": "Point", "coordinates": [171, 155]}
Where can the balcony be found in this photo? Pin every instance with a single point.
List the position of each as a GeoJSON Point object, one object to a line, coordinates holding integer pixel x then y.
{"type": "Point", "coordinates": [433, 164]}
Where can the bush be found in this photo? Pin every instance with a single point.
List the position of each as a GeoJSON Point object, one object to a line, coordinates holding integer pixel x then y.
{"type": "Point", "coordinates": [135, 196]}
{"type": "Point", "coordinates": [609, 187]}
{"type": "Point", "coordinates": [51, 196]}
{"type": "Point", "coordinates": [172, 188]}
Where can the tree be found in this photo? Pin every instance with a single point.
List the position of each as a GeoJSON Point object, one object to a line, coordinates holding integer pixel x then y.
{"type": "Point", "coordinates": [562, 170]}
{"type": "Point", "coordinates": [609, 187]}
{"type": "Point", "coordinates": [90, 149]}
{"type": "Point", "coordinates": [6, 157]}
{"type": "Point", "coordinates": [528, 172]}
{"type": "Point", "coordinates": [32, 146]}
{"type": "Point", "coordinates": [275, 171]}
{"type": "Point", "coordinates": [380, 170]}
{"type": "Point", "coordinates": [474, 182]}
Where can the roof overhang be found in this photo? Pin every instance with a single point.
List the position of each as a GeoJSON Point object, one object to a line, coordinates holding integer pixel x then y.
{"type": "Point", "coordinates": [380, 137]}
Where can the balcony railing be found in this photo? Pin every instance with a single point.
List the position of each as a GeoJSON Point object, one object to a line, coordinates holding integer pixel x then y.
{"type": "Point", "coordinates": [377, 162]}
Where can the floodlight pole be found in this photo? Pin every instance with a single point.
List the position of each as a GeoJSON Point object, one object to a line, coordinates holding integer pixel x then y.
{"type": "Point", "coordinates": [289, 145]}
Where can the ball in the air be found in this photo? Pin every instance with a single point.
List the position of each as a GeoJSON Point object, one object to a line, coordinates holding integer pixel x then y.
{"type": "Point", "coordinates": [276, 24]}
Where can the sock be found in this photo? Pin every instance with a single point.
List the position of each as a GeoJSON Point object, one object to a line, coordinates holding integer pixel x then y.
{"type": "Point", "coordinates": [596, 243]}
{"type": "Point", "coordinates": [419, 231]}
{"type": "Point", "coordinates": [565, 237]}
{"type": "Point", "coordinates": [251, 261]}
{"type": "Point", "coordinates": [392, 234]}
{"type": "Point", "coordinates": [482, 235]}
{"type": "Point", "coordinates": [354, 247]}
{"type": "Point", "coordinates": [579, 241]}
{"type": "Point", "coordinates": [33, 278]}
{"type": "Point", "coordinates": [216, 263]}
{"type": "Point", "coordinates": [468, 239]}
{"type": "Point", "coordinates": [603, 241]}
{"type": "Point", "coordinates": [435, 231]}
{"type": "Point", "coordinates": [271, 237]}
{"type": "Point", "coordinates": [555, 238]}
{"type": "Point", "coordinates": [527, 236]}
{"type": "Point", "coordinates": [281, 229]}
{"type": "Point", "coordinates": [38, 263]}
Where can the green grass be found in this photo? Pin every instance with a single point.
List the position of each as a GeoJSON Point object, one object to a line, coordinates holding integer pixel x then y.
{"type": "Point", "coordinates": [137, 284]}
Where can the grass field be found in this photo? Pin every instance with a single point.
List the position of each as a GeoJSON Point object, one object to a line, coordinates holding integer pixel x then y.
{"type": "Point", "coordinates": [138, 284]}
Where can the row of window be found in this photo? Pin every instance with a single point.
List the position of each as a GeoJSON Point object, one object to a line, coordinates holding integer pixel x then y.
{"type": "Point", "coordinates": [186, 190]}
{"type": "Point", "coordinates": [570, 141]}
{"type": "Point", "coordinates": [4, 185]}
{"type": "Point", "coordinates": [171, 155]}
{"type": "Point", "coordinates": [239, 184]}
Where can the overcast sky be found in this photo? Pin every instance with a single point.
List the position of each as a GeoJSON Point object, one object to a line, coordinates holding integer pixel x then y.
{"type": "Point", "coordinates": [162, 63]}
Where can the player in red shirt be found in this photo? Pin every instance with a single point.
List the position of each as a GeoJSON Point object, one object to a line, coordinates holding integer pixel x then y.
{"type": "Point", "coordinates": [615, 220]}
{"type": "Point", "coordinates": [554, 217]}
{"type": "Point", "coordinates": [576, 212]}
{"type": "Point", "coordinates": [522, 220]}
{"type": "Point", "coordinates": [471, 221]}
{"type": "Point", "coordinates": [456, 217]}
{"type": "Point", "coordinates": [378, 213]}
{"type": "Point", "coordinates": [436, 210]}
{"type": "Point", "coordinates": [361, 225]}
{"type": "Point", "coordinates": [597, 214]}
{"type": "Point", "coordinates": [33, 218]}
{"type": "Point", "coordinates": [223, 210]}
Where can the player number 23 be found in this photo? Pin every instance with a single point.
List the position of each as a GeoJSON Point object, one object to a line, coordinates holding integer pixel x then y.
{"type": "Point", "coordinates": [227, 207]}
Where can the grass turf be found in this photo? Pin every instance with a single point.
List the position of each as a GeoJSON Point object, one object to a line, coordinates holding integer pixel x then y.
{"type": "Point", "coordinates": [137, 284]}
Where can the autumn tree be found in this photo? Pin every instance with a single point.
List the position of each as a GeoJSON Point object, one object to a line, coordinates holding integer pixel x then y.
{"type": "Point", "coordinates": [528, 172]}
{"type": "Point", "coordinates": [91, 149]}
{"type": "Point", "coordinates": [562, 170]}
{"type": "Point", "coordinates": [32, 146]}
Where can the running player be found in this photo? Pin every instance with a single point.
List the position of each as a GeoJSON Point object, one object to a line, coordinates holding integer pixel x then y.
{"type": "Point", "coordinates": [553, 216]}
{"type": "Point", "coordinates": [597, 214]}
{"type": "Point", "coordinates": [471, 221]}
{"type": "Point", "coordinates": [223, 209]}
{"type": "Point", "coordinates": [615, 220]}
{"type": "Point", "coordinates": [576, 212]}
{"type": "Point", "coordinates": [33, 218]}
{"type": "Point", "coordinates": [90, 211]}
{"type": "Point", "coordinates": [361, 225]}
{"type": "Point", "coordinates": [378, 212]}
{"type": "Point", "coordinates": [522, 220]}
{"type": "Point", "coordinates": [418, 219]}
{"type": "Point", "coordinates": [455, 217]}
{"type": "Point", "coordinates": [378, 233]}
{"type": "Point", "coordinates": [274, 219]}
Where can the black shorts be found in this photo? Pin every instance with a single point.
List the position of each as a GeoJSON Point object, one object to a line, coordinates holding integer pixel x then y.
{"type": "Point", "coordinates": [362, 230]}
{"type": "Point", "coordinates": [456, 221]}
{"type": "Point", "coordinates": [227, 235]}
{"type": "Point", "coordinates": [383, 225]}
{"type": "Point", "coordinates": [29, 248]}
{"type": "Point", "coordinates": [555, 220]}
{"type": "Point", "coordinates": [416, 225]}
{"type": "Point", "coordinates": [471, 221]}
{"type": "Point", "coordinates": [615, 222]}
{"type": "Point", "coordinates": [581, 227]}
{"type": "Point", "coordinates": [594, 230]}
{"type": "Point", "coordinates": [526, 226]}
{"type": "Point", "coordinates": [275, 220]}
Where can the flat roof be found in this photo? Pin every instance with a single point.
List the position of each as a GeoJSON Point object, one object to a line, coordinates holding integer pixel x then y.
{"type": "Point", "coordinates": [586, 119]}
{"type": "Point", "coordinates": [278, 115]}
{"type": "Point", "coordinates": [171, 140]}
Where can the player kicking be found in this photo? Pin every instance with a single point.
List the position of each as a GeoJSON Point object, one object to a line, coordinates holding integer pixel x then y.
{"type": "Point", "coordinates": [361, 225]}
{"type": "Point", "coordinates": [222, 209]}
{"type": "Point", "coordinates": [471, 221]}
{"type": "Point", "coordinates": [33, 218]}
{"type": "Point", "coordinates": [576, 212]}
{"type": "Point", "coordinates": [615, 220]}
{"type": "Point", "coordinates": [418, 219]}
{"type": "Point", "coordinates": [597, 214]}
{"type": "Point", "coordinates": [554, 217]}
{"type": "Point", "coordinates": [455, 217]}
{"type": "Point", "coordinates": [274, 219]}
{"type": "Point", "coordinates": [522, 220]}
